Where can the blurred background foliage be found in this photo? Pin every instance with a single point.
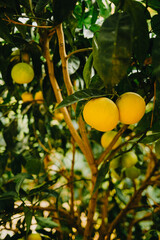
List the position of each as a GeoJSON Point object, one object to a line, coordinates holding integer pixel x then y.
{"type": "Point", "coordinates": [45, 180]}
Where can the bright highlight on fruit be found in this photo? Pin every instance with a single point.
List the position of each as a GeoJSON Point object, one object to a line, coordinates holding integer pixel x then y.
{"type": "Point", "coordinates": [34, 236]}
{"type": "Point", "coordinates": [22, 73]}
{"type": "Point", "coordinates": [131, 107]}
{"type": "Point", "coordinates": [27, 97]}
{"type": "Point", "coordinates": [101, 114]}
{"type": "Point", "coordinates": [107, 138]}
{"type": "Point", "coordinates": [129, 159]}
{"type": "Point", "coordinates": [39, 97]}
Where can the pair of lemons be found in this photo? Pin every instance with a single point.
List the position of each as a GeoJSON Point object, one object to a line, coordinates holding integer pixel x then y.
{"type": "Point", "coordinates": [103, 114]}
{"type": "Point", "coordinates": [28, 97]}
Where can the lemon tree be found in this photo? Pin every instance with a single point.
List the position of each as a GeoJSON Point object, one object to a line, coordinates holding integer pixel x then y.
{"type": "Point", "coordinates": [22, 73]}
{"type": "Point", "coordinates": [74, 75]}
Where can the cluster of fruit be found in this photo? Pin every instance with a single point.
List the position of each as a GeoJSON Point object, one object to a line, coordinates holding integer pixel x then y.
{"type": "Point", "coordinates": [28, 97]}
{"type": "Point", "coordinates": [103, 115]}
{"type": "Point", "coordinates": [33, 236]}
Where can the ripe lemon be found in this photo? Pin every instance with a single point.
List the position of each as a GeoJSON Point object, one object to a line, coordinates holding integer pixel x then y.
{"type": "Point", "coordinates": [22, 73]}
{"type": "Point", "coordinates": [39, 97]}
{"type": "Point", "coordinates": [34, 236]}
{"type": "Point", "coordinates": [107, 138]}
{"type": "Point", "coordinates": [129, 159]}
{"type": "Point", "coordinates": [131, 107]}
{"type": "Point", "coordinates": [27, 97]}
{"type": "Point", "coordinates": [101, 114]}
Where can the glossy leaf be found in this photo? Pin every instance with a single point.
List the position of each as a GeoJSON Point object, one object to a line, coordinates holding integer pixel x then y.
{"type": "Point", "coordinates": [28, 218]}
{"type": "Point", "coordinates": [151, 138]}
{"type": "Point", "coordinates": [79, 96]}
{"type": "Point", "coordinates": [46, 222]}
{"type": "Point", "coordinates": [141, 34]}
{"type": "Point", "coordinates": [156, 57]}
{"type": "Point", "coordinates": [155, 23]}
{"type": "Point", "coordinates": [113, 47]}
{"type": "Point", "coordinates": [87, 70]}
{"type": "Point", "coordinates": [73, 64]}
{"type": "Point", "coordinates": [101, 175]}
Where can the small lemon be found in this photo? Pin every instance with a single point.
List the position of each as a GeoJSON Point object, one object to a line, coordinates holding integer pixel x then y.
{"type": "Point", "coordinates": [129, 159]}
{"type": "Point", "coordinates": [101, 114]}
{"type": "Point", "coordinates": [132, 172]}
{"type": "Point", "coordinates": [39, 97]}
{"type": "Point", "coordinates": [27, 97]}
{"type": "Point", "coordinates": [107, 138]}
{"type": "Point", "coordinates": [34, 236]}
{"type": "Point", "coordinates": [131, 107]}
{"type": "Point", "coordinates": [22, 73]}
{"type": "Point", "coordinates": [115, 163]}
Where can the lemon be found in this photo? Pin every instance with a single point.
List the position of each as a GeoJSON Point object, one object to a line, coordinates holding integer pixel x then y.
{"type": "Point", "coordinates": [39, 97]}
{"type": "Point", "coordinates": [107, 138]}
{"type": "Point", "coordinates": [27, 97]}
{"type": "Point", "coordinates": [131, 107]}
{"type": "Point", "coordinates": [129, 159]}
{"type": "Point", "coordinates": [34, 236]}
{"type": "Point", "coordinates": [157, 148]}
{"type": "Point", "coordinates": [132, 172]}
{"type": "Point", "coordinates": [115, 163]}
{"type": "Point", "coordinates": [22, 73]}
{"type": "Point", "coordinates": [101, 114]}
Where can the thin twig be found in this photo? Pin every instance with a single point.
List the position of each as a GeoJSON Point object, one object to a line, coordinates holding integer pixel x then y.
{"type": "Point", "coordinates": [79, 51]}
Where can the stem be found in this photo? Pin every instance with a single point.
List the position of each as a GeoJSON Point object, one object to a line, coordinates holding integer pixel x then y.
{"type": "Point", "coordinates": [78, 51]}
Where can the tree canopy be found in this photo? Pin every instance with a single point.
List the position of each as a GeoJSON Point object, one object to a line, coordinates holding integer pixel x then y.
{"type": "Point", "coordinates": [56, 177]}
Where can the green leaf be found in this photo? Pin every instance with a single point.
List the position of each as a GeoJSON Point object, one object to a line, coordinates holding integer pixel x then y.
{"type": "Point", "coordinates": [5, 32]}
{"type": "Point", "coordinates": [141, 35]}
{"type": "Point", "coordinates": [19, 179]}
{"type": "Point", "coordinates": [87, 70]}
{"type": "Point", "coordinates": [112, 49]}
{"type": "Point", "coordinates": [40, 6]}
{"type": "Point", "coordinates": [156, 57]}
{"type": "Point", "coordinates": [79, 108]}
{"type": "Point", "coordinates": [120, 195]}
{"type": "Point", "coordinates": [151, 138]}
{"type": "Point", "coordinates": [155, 4]}
{"type": "Point", "coordinates": [73, 64]}
{"type": "Point", "coordinates": [8, 195]}
{"type": "Point", "coordinates": [155, 23]}
{"type": "Point", "coordinates": [79, 96]}
{"type": "Point", "coordinates": [152, 234]}
{"type": "Point", "coordinates": [104, 8]}
{"type": "Point", "coordinates": [101, 175]}
{"type": "Point", "coordinates": [46, 222]}
{"type": "Point", "coordinates": [28, 218]}
{"type": "Point", "coordinates": [33, 163]}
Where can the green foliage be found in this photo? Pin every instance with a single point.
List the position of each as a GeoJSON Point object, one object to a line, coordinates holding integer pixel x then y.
{"type": "Point", "coordinates": [55, 177]}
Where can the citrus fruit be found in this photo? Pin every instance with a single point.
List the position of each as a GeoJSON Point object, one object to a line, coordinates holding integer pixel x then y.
{"type": "Point", "coordinates": [157, 148]}
{"type": "Point", "coordinates": [34, 236]}
{"type": "Point", "coordinates": [115, 163]}
{"type": "Point", "coordinates": [132, 172]}
{"type": "Point", "coordinates": [39, 97]}
{"type": "Point", "coordinates": [129, 159]}
{"type": "Point", "coordinates": [101, 114]}
{"type": "Point", "coordinates": [107, 138]}
{"type": "Point", "coordinates": [131, 107]}
{"type": "Point", "coordinates": [22, 73]}
{"type": "Point", "coordinates": [27, 97]}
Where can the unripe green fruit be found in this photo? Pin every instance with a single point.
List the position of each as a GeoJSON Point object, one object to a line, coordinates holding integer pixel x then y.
{"type": "Point", "coordinates": [157, 148]}
{"type": "Point", "coordinates": [129, 159]}
{"type": "Point", "coordinates": [115, 163]}
{"type": "Point", "coordinates": [107, 138]}
{"type": "Point", "coordinates": [132, 172]}
{"type": "Point", "coordinates": [34, 236]}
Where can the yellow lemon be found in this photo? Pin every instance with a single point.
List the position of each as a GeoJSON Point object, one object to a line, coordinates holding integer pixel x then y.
{"type": "Point", "coordinates": [131, 107]}
{"type": "Point", "coordinates": [22, 73]}
{"type": "Point", "coordinates": [129, 159]}
{"type": "Point", "coordinates": [101, 114]}
{"type": "Point", "coordinates": [27, 97]}
{"type": "Point", "coordinates": [107, 138]}
{"type": "Point", "coordinates": [39, 97]}
{"type": "Point", "coordinates": [34, 236]}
